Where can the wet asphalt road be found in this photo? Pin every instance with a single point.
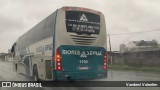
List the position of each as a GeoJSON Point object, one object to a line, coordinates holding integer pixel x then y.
{"type": "Point", "coordinates": [7, 74]}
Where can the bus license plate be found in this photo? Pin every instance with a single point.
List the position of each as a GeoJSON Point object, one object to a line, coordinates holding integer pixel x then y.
{"type": "Point", "coordinates": [83, 68]}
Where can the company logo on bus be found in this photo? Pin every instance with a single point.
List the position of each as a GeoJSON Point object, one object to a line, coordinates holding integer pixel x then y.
{"type": "Point", "coordinates": [81, 22]}
{"type": "Point", "coordinates": [84, 18]}
{"type": "Point", "coordinates": [82, 54]}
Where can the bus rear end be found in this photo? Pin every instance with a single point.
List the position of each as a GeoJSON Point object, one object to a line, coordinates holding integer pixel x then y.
{"type": "Point", "coordinates": [80, 44]}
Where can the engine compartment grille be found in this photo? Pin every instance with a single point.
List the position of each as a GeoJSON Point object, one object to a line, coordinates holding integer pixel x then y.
{"type": "Point", "coordinates": [83, 39]}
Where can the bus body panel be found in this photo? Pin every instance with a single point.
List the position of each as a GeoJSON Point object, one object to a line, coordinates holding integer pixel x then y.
{"type": "Point", "coordinates": [38, 47]}
{"type": "Point", "coordinates": [42, 51]}
{"type": "Point", "coordinates": [81, 62]}
{"type": "Point", "coordinates": [79, 57]}
{"type": "Point", "coordinates": [60, 37]}
{"type": "Point", "coordinates": [71, 63]}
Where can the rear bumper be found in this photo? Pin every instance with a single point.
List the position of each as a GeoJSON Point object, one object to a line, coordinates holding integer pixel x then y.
{"type": "Point", "coordinates": [80, 75]}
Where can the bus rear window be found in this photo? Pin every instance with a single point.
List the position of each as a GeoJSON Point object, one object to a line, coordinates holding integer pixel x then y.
{"type": "Point", "coordinates": [81, 22]}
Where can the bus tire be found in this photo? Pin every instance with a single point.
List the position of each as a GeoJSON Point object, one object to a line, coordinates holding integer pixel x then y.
{"type": "Point", "coordinates": [35, 73]}
{"type": "Point", "coordinates": [16, 67]}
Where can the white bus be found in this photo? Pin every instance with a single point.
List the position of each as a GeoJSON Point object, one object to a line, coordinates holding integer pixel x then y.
{"type": "Point", "coordinates": [70, 44]}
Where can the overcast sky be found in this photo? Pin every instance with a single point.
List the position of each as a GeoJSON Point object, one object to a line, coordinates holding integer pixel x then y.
{"type": "Point", "coordinates": [122, 16]}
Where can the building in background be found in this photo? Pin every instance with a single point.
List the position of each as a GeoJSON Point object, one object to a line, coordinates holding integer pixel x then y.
{"type": "Point", "coordinates": [136, 46]}
{"type": "Point", "coordinates": [4, 57]}
{"type": "Point", "coordinates": [123, 48]}
{"type": "Point", "coordinates": [139, 53]}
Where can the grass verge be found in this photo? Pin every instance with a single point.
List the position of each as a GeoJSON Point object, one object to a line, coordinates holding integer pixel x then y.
{"type": "Point", "coordinates": [136, 68]}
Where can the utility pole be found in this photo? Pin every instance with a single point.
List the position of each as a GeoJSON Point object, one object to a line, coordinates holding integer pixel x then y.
{"type": "Point", "coordinates": [110, 48]}
{"type": "Point", "coordinates": [109, 43]}
{"type": "Point", "coordinates": [110, 54]}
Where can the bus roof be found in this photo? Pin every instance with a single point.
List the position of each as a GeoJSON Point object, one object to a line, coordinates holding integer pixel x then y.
{"type": "Point", "coordinates": [71, 8]}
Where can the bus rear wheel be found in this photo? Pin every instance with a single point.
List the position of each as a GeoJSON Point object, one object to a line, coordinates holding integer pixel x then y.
{"type": "Point", "coordinates": [16, 67]}
{"type": "Point", "coordinates": [35, 74]}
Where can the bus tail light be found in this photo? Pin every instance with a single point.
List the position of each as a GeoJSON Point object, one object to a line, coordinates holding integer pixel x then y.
{"type": "Point", "coordinates": [105, 61]}
{"type": "Point", "coordinates": [58, 61]}
{"type": "Point", "coordinates": [67, 8]}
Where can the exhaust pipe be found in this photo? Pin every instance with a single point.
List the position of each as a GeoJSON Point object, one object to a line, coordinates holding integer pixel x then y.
{"type": "Point", "coordinates": [68, 77]}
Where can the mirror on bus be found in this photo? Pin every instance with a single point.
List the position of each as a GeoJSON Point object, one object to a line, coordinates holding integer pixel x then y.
{"type": "Point", "coordinates": [13, 48]}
